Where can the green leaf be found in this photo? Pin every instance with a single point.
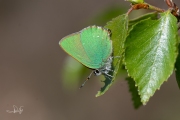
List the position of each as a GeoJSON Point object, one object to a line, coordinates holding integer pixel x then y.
{"type": "Point", "coordinates": [153, 16]}
{"type": "Point", "coordinates": [134, 93]}
{"type": "Point", "coordinates": [119, 28]}
{"type": "Point", "coordinates": [136, 1]}
{"type": "Point", "coordinates": [150, 55]}
{"type": "Point", "coordinates": [177, 66]}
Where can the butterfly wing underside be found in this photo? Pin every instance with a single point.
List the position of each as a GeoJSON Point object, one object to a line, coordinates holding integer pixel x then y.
{"type": "Point", "coordinates": [72, 45]}
{"type": "Point", "coordinates": [91, 46]}
{"type": "Point", "coordinates": [96, 42]}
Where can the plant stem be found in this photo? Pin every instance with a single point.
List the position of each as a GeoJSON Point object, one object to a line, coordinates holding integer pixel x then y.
{"type": "Point", "coordinates": [151, 7]}
{"type": "Point", "coordinates": [144, 6]}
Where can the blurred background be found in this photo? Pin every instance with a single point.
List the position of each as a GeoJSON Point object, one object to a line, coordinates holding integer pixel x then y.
{"type": "Point", "coordinates": [32, 65]}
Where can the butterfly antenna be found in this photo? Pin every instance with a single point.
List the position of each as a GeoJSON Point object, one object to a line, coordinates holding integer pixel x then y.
{"type": "Point", "coordinates": [86, 80]}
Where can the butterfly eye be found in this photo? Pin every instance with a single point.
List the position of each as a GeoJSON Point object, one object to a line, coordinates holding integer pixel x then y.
{"type": "Point", "coordinates": [97, 72]}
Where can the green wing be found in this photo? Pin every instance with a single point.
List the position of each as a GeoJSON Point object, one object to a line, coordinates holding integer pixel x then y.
{"type": "Point", "coordinates": [91, 46]}
{"type": "Point", "coordinates": [72, 45]}
{"type": "Point", "coordinates": [97, 45]}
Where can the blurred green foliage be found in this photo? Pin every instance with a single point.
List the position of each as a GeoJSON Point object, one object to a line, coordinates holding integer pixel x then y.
{"type": "Point", "coordinates": [72, 73]}
{"type": "Point", "coordinates": [106, 15]}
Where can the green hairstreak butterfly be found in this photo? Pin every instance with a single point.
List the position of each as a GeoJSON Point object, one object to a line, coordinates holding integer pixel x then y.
{"type": "Point", "coordinates": [92, 47]}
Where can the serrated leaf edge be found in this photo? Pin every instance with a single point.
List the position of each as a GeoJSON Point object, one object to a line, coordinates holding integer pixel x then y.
{"type": "Point", "coordinates": [145, 102]}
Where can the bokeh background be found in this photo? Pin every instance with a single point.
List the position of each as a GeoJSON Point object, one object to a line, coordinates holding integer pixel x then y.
{"type": "Point", "coordinates": [31, 66]}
